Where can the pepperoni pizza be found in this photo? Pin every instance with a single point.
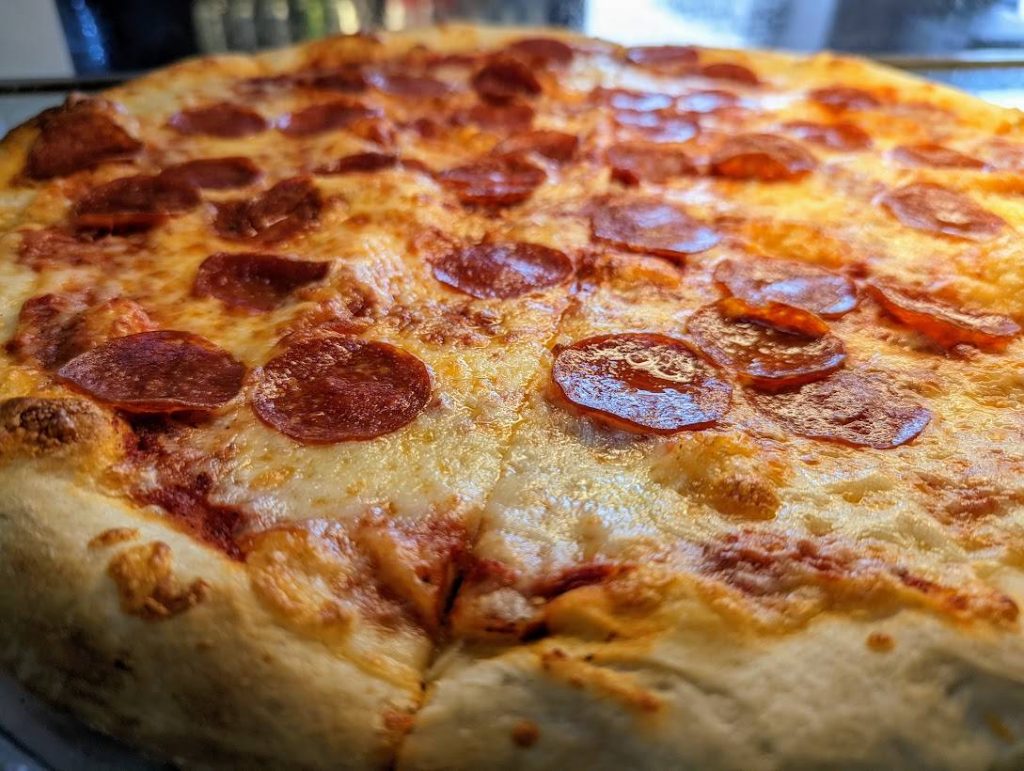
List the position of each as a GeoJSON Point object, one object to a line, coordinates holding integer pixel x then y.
{"type": "Point", "coordinates": [477, 398]}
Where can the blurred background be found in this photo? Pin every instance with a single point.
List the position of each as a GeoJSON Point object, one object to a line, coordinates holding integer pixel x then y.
{"type": "Point", "coordinates": [47, 46]}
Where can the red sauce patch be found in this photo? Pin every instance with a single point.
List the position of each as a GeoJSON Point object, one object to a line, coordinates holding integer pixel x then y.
{"type": "Point", "coordinates": [502, 270]}
{"type": "Point", "coordinates": [577, 576]}
{"type": "Point", "coordinates": [284, 210]}
{"type": "Point", "coordinates": [161, 372]}
{"type": "Point", "coordinates": [935, 156]}
{"type": "Point", "coordinates": [847, 408]}
{"type": "Point", "coordinates": [504, 79]}
{"type": "Point", "coordinates": [842, 98]}
{"type": "Point", "coordinates": [324, 117]}
{"type": "Point", "coordinates": [937, 209]}
{"type": "Point", "coordinates": [643, 383]}
{"type": "Point", "coordinates": [842, 136]}
{"type": "Point", "coordinates": [765, 157]}
{"type": "Point", "coordinates": [946, 324]}
{"type": "Point", "coordinates": [77, 136]}
{"type": "Point", "coordinates": [769, 347]}
{"type": "Point", "coordinates": [214, 173]}
{"type": "Point", "coordinates": [814, 289]}
{"type": "Point", "coordinates": [553, 145]}
{"type": "Point", "coordinates": [255, 282]}
{"type": "Point", "coordinates": [132, 203]}
{"type": "Point", "coordinates": [635, 162]}
{"type": "Point", "coordinates": [647, 225]}
{"type": "Point", "coordinates": [500, 181]}
{"type": "Point", "coordinates": [224, 119]}
{"type": "Point", "coordinates": [332, 389]}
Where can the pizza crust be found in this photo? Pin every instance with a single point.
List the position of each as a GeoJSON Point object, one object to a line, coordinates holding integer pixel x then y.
{"type": "Point", "coordinates": [215, 683]}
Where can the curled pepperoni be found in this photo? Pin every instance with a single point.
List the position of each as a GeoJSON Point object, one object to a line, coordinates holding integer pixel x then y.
{"type": "Point", "coordinates": [410, 86]}
{"type": "Point", "coordinates": [553, 145]}
{"type": "Point", "coordinates": [643, 383]}
{"type": "Point", "coordinates": [636, 101]}
{"type": "Point", "coordinates": [658, 126]}
{"type": "Point", "coordinates": [845, 137]}
{"type": "Point", "coordinates": [504, 79]}
{"type": "Point", "coordinates": [133, 203]}
{"type": "Point", "coordinates": [337, 389]}
{"type": "Point", "coordinates": [798, 284]}
{"type": "Point", "coordinates": [634, 162]}
{"type": "Point", "coordinates": [737, 73]}
{"type": "Point", "coordinates": [707, 101]}
{"type": "Point", "coordinates": [214, 173]}
{"type": "Point", "coordinates": [495, 117]}
{"type": "Point", "coordinates": [77, 136]}
{"type": "Point", "coordinates": [769, 347]}
{"type": "Point", "coordinates": [502, 270]}
{"type": "Point", "coordinates": [649, 225]}
{"type": "Point", "coordinates": [327, 116]}
{"type": "Point", "coordinates": [287, 208]}
{"type": "Point", "coordinates": [946, 324]}
{"type": "Point", "coordinates": [937, 156]}
{"type": "Point", "coordinates": [494, 181]}
{"type": "Point", "coordinates": [541, 50]}
{"type": "Point", "coordinates": [359, 162]}
{"type": "Point", "coordinates": [848, 408]}
{"type": "Point", "coordinates": [761, 156]}
{"type": "Point", "coordinates": [673, 58]}
{"type": "Point", "coordinates": [252, 281]}
{"type": "Point", "coordinates": [937, 209]}
{"type": "Point", "coordinates": [157, 372]}
{"type": "Point", "coordinates": [842, 98]}
{"type": "Point", "coordinates": [223, 119]}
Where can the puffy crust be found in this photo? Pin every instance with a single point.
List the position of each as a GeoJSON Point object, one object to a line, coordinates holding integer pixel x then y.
{"type": "Point", "coordinates": [902, 692]}
{"type": "Point", "coordinates": [158, 640]}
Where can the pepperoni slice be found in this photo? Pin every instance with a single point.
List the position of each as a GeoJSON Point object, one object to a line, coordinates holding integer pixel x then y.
{"type": "Point", "coordinates": [77, 136]}
{"type": "Point", "coordinates": [284, 210]}
{"type": "Point", "coordinates": [223, 119]}
{"type": "Point", "coordinates": [644, 383]}
{"type": "Point", "coordinates": [337, 389]}
{"type": "Point", "coordinates": [636, 101]}
{"type": "Point", "coordinates": [651, 226]}
{"type": "Point", "coordinates": [348, 78]}
{"type": "Point", "coordinates": [765, 157]}
{"type": "Point", "coordinates": [359, 162]}
{"type": "Point", "coordinates": [502, 270]}
{"type": "Point", "coordinates": [255, 282]}
{"type": "Point", "coordinates": [157, 372]}
{"type": "Point", "coordinates": [496, 117]}
{"type": "Point", "coordinates": [937, 209]}
{"type": "Point", "coordinates": [842, 98]}
{"type": "Point", "coordinates": [798, 284]}
{"type": "Point", "coordinates": [845, 137]}
{"type": "Point", "coordinates": [659, 126]}
{"type": "Point", "coordinates": [663, 57]}
{"type": "Point", "coordinates": [769, 347]}
{"type": "Point", "coordinates": [737, 73]}
{"type": "Point", "coordinates": [946, 324]}
{"type": "Point", "coordinates": [934, 155]}
{"type": "Point", "coordinates": [635, 162]}
{"type": "Point", "coordinates": [542, 50]}
{"type": "Point", "coordinates": [504, 79]}
{"type": "Point", "coordinates": [214, 173]}
{"type": "Point", "coordinates": [848, 408]}
{"type": "Point", "coordinates": [553, 145]}
{"type": "Point", "coordinates": [707, 101]}
{"type": "Point", "coordinates": [410, 86]}
{"type": "Point", "coordinates": [494, 181]}
{"type": "Point", "coordinates": [328, 116]}
{"type": "Point", "coordinates": [133, 203]}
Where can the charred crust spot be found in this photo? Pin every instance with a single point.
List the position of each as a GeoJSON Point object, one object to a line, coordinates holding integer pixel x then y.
{"type": "Point", "coordinates": [525, 733]}
{"type": "Point", "coordinates": [147, 586]}
{"type": "Point", "coordinates": [47, 426]}
{"type": "Point", "coordinates": [113, 536]}
{"type": "Point", "coordinates": [880, 642]}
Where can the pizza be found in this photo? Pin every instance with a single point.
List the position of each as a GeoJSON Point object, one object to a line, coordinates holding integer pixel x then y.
{"type": "Point", "coordinates": [479, 398]}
